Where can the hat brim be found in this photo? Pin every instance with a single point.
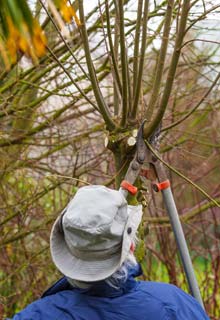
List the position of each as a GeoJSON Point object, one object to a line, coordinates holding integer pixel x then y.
{"type": "Point", "coordinates": [92, 270]}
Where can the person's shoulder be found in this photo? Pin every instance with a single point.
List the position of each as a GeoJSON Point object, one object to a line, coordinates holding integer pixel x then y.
{"type": "Point", "coordinates": [46, 308]}
{"type": "Point", "coordinates": [160, 290]}
{"type": "Point", "coordinates": [178, 303]}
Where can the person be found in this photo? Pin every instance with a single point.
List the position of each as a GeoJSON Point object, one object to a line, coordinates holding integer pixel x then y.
{"type": "Point", "coordinates": [92, 244]}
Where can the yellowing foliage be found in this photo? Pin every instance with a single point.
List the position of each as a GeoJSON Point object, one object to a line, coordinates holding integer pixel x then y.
{"type": "Point", "coordinates": [21, 32]}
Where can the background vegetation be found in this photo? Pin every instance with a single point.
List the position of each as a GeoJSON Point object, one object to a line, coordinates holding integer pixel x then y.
{"type": "Point", "coordinates": [69, 119]}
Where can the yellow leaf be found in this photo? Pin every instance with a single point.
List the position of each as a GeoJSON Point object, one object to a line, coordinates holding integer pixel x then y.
{"type": "Point", "coordinates": [4, 55]}
{"type": "Point", "coordinates": [12, 49]}
{"type": "Point", "coordinates": [23, 45]}
{"type": "Point", "coordinates": [39, 40]}
{"type": "Point", "coordinates": [68, 13]}
{"type": "Point", "coordinates": [39, 46]}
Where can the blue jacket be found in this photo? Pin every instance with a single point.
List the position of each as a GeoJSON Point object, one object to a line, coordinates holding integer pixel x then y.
{"type": "Point", "coordinates": [135, 300]}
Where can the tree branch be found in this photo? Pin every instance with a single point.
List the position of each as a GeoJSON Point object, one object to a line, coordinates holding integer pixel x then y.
{"type": "Point", "coordinates": [174, 124]}
{"type": "Point", "coordinates": [191, 214]}
{"type": "Point", "coordinates": [141, 62]}
{"type": "Point", "coordinates": [94, 82]}
{"type": "Point", "coordinates": [182, 176]}
{"type": "Point", "coordinates": [161, 61]}
{"type": "Point", "coordinates": [112, 51]}
{"type": "Point", "coordinates": [124, 62]}
{"type": "Point", "coordinates": [150, 127]}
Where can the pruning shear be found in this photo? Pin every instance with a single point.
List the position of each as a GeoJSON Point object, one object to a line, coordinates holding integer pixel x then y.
{"type": "Point", "coordinates": [144, 155]}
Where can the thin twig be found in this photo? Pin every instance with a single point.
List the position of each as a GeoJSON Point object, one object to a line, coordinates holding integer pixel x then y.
{"type": "Point", "coordinates": [174, 124]}
{"type": "Point", "coordinates": [71, 78]}
{"type": "Point", "coordinates": [64, 40]}
{"type": "Point", "coordinates": [182, 175]}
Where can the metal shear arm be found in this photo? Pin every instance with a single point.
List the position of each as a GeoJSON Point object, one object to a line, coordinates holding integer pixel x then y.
{"type": "Point", "coordinates": [144, 154]}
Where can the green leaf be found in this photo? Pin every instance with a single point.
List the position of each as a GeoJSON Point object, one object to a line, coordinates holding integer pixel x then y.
{"type": "Point", "coordinates": [14, 12]}
{"type": "Point", "coordinates": [26, 13]}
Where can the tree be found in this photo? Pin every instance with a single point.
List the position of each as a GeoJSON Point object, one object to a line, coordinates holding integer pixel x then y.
{"type": "Point", "coordinates": [124, 62]}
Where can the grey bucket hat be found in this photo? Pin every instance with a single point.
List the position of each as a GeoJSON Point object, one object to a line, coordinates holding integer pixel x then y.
{"type": "Point", "coordinates": [92, 237]}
